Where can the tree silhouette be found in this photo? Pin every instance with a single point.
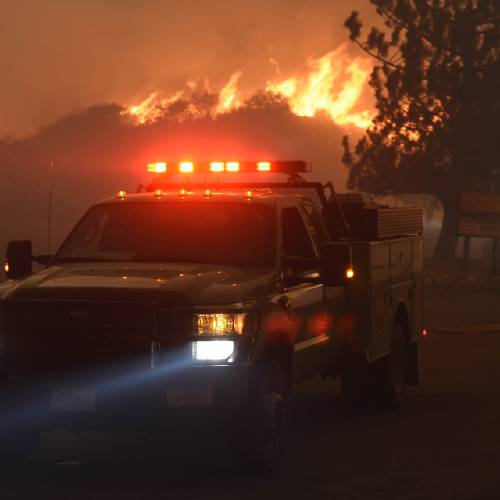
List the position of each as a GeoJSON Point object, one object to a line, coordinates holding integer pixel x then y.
{"type": "Point", "coordinates": [436, 83]}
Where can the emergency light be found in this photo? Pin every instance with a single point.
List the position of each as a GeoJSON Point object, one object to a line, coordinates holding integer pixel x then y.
{"type": "Point", "coordinates": [233, 166]}
{"type": "Point", "coordinates": [159, 167]}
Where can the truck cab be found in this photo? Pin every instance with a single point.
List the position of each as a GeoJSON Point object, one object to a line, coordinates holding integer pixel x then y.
{"type": "Point", "coordinates": [204, 299]}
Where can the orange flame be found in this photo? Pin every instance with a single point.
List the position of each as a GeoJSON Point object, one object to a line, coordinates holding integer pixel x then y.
{"type": "Point", "coordinates": [333, 85]}
{"type": "Point", "coordinates": [228, 96]}
{"type": "Point", "coordinates": [315, 92]}
{"type": "Point", "coordinates": [151, 109]}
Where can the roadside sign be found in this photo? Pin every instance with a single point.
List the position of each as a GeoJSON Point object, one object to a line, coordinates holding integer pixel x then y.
{"type": "Point", "coordinates": [480, 218]}
{"type": "Point", "coordinates": [479, 215]}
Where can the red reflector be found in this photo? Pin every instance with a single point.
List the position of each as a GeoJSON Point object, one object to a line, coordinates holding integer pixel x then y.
{"type": "Point", "coordinates": [425, 332]}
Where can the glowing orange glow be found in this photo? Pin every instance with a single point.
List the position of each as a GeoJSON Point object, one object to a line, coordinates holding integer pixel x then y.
{"type": "Point", "coordinates": [249, 194]}
{"type": "Point", "coordinates": [217, 166]}
{"type": "Point", "coordinates": [264, 166]}
{"type": "Point", "coordinates": [186, 167]}
{"type": "Point", "coordinates": [182, 192]}
{"type": "Point", "coordinates": [152, 108]}
{"type": "Point", "coordinates": [121, 195]}
{"type": "Point", "coordinates": [347, 327]}
{"type": "Point", "coordinates": [228, 96]}
{"type": "Point", "coordinates": [159, 167]}
{"type": "Point", "coordinates": [232, 166]}
{"type": "Point", "coordinates": [158, 193]}
{"type": "Point", "coordinates": [320, 324]}
{"type": "Point", "coordinates": [208, 193]}
{"type": "Point", "coordinates": [6, 267]}
{"type": "Point", "coordinates": [333, 85]}
{"type": "Point", "coordinates": [275, 323]}
{"type": "Point", "coordinates": [349, 274]}
{"type": "Point", "coordinates": [319, 90]}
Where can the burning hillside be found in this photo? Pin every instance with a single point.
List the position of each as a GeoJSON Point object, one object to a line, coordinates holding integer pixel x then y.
{"type": "Point", "coordinates": [293, 115]}
{"type": "Point", "coordinates": [333, 85]}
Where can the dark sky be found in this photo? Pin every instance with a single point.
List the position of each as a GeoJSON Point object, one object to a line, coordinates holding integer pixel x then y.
{"type": "Point", "coordinates": [60, 56]}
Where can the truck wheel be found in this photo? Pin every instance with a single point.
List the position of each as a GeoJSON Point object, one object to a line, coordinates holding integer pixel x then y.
{"type": "Point", "coordinates": [390, 373]}
{"type": "Point", "coordinates": [379, 384]}
{"type": "Point", "coordinates": [261, 445]}
{"type": "Point", "coordinates": [17, 448]}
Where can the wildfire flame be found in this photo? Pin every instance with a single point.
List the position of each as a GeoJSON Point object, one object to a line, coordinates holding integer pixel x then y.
{"type": "Point", "coordinates": [333, 85]}
{"type": "Point", "coordinates": [228, 96]}
{"type": "Point", "coordinates": [314, 92]}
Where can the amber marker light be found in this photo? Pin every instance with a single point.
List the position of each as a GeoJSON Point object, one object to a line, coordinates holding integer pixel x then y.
{"type": "Point", "coordinates": [121, 195]}
{"type": "Point", "coordinates": [186, 167]}
{"type": "Point", "coordinates": [182, 192]}
{"type": "Point", "coordinates": [208, 193]}
{"type": "Point", "coordinates": [158, 193]}
{"type": "Point", "coordinates": [6, 267]}
{"type": "Point", "coordinates": [217, 166]}
{"type": "Point", "coordinates": [264, 166]}
{"type": "Point", "coordinates": [249, 195]}
{"type": "Point", "coordinates": [159, 167]}
{"type": "Point", "coordinates": [349, 274]}
{"type": "Point", "coordinates": [232, 166]}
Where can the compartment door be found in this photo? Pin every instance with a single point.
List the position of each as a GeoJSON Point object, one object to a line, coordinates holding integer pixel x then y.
{"type": "Point", "coordinates": [381, 313]}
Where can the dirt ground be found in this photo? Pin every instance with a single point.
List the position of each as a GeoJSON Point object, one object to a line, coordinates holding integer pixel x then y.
{"type": "Point", "coordinates": [443, 443]}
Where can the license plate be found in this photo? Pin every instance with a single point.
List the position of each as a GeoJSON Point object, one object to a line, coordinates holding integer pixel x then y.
{"type": "Point", "coordinates": [73, 399]}
{"type": "Point", "coordinates": [190, 397]}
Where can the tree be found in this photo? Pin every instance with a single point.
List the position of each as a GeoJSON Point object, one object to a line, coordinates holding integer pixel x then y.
{"type": "Point", "coordinates": [436, 82]}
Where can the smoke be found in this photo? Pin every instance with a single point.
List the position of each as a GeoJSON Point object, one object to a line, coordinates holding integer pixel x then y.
{"type": "Point", "coordinates": [98, 152]}
{"type": "Point", "coordinates": [66, 55]}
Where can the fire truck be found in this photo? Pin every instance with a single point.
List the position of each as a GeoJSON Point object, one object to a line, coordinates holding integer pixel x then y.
{"type": "Point", "coordinates": [204, 302]}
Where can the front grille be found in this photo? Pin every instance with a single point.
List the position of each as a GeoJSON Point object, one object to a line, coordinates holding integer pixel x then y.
{"type": "Point", "coordinates": [49, 337]}
{"type": "Point", "coordinates": [78, 313]}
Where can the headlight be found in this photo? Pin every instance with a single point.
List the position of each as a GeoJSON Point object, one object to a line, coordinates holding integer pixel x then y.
{"type": "Point", "coordinates": [220, 324]}
{"type": "Point", "coordinates": [212, 350]}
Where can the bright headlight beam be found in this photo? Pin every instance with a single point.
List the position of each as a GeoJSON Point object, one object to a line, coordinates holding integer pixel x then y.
{"type": "Point", "coordinates": [212, 350]}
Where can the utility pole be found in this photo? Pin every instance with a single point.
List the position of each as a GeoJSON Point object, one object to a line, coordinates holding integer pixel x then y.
{"type": "Point", "coordinates": [51, 182]}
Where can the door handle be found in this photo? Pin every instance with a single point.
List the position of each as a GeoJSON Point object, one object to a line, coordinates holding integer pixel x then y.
{"type": "Point", "coordinates": [284, 302]}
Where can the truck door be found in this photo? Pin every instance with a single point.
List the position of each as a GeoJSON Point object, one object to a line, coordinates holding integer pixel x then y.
{"type": "Point", "coordinates": [305, 301]}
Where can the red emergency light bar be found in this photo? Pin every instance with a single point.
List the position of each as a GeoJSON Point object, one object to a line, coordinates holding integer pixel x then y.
{"type": "Point", "coordinates": [247, 167]}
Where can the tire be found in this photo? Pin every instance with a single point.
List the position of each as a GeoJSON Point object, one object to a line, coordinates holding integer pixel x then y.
{"type": "Point", "coordinates": [15, 449]}
{"type": "Point", "coordinates": [390, 376]}
{"type": "Point", "coordinates": [261, 444]}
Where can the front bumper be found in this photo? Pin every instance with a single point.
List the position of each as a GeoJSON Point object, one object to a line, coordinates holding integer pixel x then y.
{"type": "Point", "coordinates": [128, 400]}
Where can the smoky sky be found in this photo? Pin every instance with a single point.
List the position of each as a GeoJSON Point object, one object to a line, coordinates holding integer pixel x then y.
{"type": "Point", "coordinates": [61, 56]}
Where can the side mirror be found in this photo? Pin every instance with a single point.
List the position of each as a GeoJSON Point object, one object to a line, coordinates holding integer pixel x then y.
{"type": "Point", "coordinates": [18, 259]}
{"type": "Point", "coordinates": [336, 264]}
{"type": "Point", "coordinates": [298, 270]}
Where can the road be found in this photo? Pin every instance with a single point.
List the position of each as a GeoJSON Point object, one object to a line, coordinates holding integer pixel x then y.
{"type": "Point", "coordinates": [443, 443]}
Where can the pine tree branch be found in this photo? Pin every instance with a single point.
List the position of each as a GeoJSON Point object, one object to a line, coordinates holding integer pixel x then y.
{"type": "Point", "coordinates": [401, 24]}
{"type": "Point", "coordinates": [376, 56]}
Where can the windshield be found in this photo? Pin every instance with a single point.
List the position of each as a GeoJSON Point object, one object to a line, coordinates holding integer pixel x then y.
{"type": "Point", "coordinates": [180, 231]}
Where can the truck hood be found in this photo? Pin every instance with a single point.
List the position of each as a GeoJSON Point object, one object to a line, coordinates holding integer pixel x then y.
{"type": "Point", "coordinates": [193, 284]}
